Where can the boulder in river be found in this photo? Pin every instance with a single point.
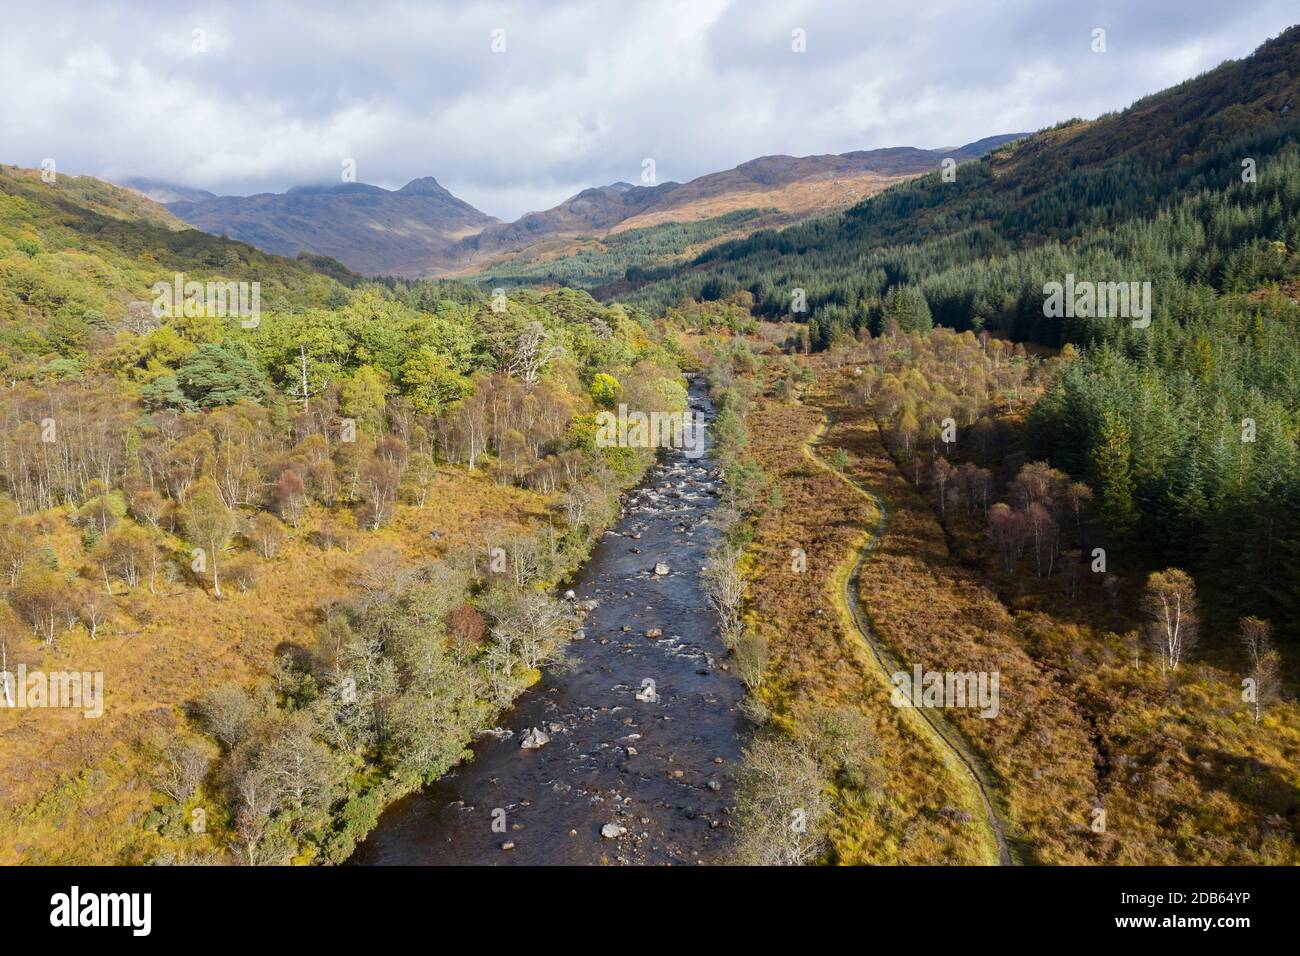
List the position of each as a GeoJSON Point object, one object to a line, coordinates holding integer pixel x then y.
{"type": "Point", "coordinates": [535, 739]}
{"type": "Point", "coordinates": [661, 569]}
{"type": "Point", "coordinates": [655, 632]}
{"type": "Point", "coordinates": [612, 831]}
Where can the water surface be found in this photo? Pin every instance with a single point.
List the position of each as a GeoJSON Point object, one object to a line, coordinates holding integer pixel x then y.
{"type": "Point", "coordinates": [661, 770]}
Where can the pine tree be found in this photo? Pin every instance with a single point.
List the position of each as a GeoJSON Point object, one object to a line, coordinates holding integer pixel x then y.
{"type": "Point", "coordinates": [1111, 458]}
{"type": "Point", "coordinates": [908, 307]}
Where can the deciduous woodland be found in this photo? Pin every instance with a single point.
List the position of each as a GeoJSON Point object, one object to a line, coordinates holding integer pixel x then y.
{"type": "Point", "coordinates": [315, 554]}
{"type": "Point", "coordinates": [277, 542]}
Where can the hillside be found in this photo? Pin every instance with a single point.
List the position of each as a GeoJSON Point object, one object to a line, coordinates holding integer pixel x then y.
{"type": "Point", "coordinates": [826, 181]}
{"type": "Point", "coordinates": [220, 518]}
{"type": "Point", "coordinates": [83, 197]}
{"type": "Point", "coordinates": [1183, 426]}
{"type": "Point", "coordinates": [84, 255]}
{"type": "Point", "coordinates": [783, 189]}
{"type": "Point", "coordinates": [1061, 184]}
{"type": "Point", "coordinates": [164, 192]}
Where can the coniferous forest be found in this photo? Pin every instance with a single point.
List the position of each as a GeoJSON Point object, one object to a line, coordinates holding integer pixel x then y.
{"type": "Point", "coordinates": [1185, 428]}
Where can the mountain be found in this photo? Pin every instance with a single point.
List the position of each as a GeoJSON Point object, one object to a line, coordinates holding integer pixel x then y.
{"type": "Point", "coordinates": [165, 192]}
{"type": "Point", "coordinates": [75, 198]}
{"type": "Point", "coordinates": [1074, 184]}
{"type": "Point", "coordinates": [422, 230]}
{"type": "Point", "coordinates": [86, 252]}
{"type": "Point", "coordinates": [1176, 396]}
{"type": "Point", "coordinates": [785, 188]}
{"type": "Point", "coordinates": [369, 229]}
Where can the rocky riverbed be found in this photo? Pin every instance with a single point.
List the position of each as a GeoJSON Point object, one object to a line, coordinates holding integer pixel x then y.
{"type": "Point", "coordinates": [627, 752]}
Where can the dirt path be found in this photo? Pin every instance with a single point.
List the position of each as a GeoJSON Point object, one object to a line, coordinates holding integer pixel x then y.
{"type": "Point", "coordinates": [947, 740]}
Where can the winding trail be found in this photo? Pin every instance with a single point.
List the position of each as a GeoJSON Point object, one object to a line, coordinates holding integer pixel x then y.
{"type": "Point", "coordinates": [949, 743]}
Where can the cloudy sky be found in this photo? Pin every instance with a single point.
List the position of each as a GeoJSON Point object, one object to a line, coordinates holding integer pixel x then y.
{"type": "Point", "coordinates": [265, 96]}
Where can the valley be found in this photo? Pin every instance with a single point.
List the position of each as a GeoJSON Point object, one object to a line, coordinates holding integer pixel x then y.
{"type": "Point", "coordinates": [984, 564]}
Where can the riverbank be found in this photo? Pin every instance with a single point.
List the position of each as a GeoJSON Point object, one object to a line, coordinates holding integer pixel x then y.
{"type": "Point", "coordinates": [642, 722]}
{"type": "Point", "coordinates": [891, 798]}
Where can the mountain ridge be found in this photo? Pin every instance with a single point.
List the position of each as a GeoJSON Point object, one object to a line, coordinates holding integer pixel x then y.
{"type": "Point", "coordinates": [1109, 172]}
{"type": "Point", "coordinates": [423, 230]}
{"type": "Point", "coordinates": [788, 188]}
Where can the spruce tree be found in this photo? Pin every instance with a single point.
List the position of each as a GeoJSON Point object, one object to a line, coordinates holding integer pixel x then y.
{"type": "Point", "coordinates": [1111, 458]}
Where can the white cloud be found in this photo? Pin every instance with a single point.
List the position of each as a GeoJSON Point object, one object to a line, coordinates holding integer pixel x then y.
{"type": "Point", "coordinates": [584, 91]}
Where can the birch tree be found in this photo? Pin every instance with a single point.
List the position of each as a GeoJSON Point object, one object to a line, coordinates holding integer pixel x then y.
{"type": "Point", "coordinates": [1172, 617]}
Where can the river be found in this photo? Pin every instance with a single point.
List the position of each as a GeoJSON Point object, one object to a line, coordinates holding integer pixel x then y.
{"type": "Point", "coordinates": [659, 772]}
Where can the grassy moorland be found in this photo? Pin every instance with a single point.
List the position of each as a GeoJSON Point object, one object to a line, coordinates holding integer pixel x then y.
{"type": "Point", "coordinates": [934, 725]}
{"type": "Point", "coordinates": [1103, 750]}
{"type": "Point", "coordinates": [80, 791]}
{"type": "Point", "coordinates": [1092, 717]}
{"type": "Point", "coordinates": [935, 612]}
{"type": "Point", "coordinates": [829, 741]}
